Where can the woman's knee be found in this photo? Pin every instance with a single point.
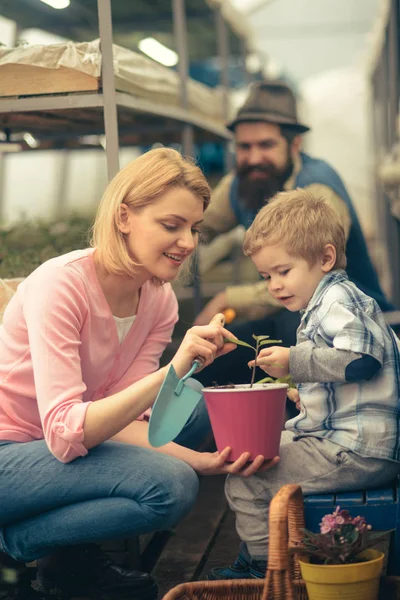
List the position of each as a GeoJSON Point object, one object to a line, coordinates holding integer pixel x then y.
{"type": "Point", "coordinates": [177, 488]}
{"type": "Point", "coordinates": [184, 491]}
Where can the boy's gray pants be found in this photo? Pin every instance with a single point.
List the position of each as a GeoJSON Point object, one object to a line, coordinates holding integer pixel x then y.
{"type": "Point", "coordinates": [317, 465]}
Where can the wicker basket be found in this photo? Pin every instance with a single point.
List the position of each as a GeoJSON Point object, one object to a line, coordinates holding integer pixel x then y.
{"type": "Point", "coordinates": [282, 582]}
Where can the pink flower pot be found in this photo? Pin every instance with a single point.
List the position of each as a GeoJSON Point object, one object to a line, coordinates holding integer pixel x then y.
{"type": "Point", "coordinates": [247, 419]}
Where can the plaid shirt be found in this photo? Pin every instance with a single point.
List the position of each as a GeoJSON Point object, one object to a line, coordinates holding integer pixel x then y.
{"type": "Point", "coordinates": [362, 416]}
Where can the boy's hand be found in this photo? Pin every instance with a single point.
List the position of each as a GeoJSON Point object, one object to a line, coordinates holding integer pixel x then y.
{"type": "Point", "coordinates": [293, 395]}
{"type": "Point", "coordinates": [273, 360]}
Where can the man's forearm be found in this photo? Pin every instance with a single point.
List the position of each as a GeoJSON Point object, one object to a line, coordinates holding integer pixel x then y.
{"type": "Point", "coordinates": [252, 300]}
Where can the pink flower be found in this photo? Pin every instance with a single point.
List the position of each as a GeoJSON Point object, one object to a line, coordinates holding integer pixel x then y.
{"type": "Point", "coordinates": [339, 520]}
{"type": "Point", "coordinates": [359, 523]}
{"type": "Point", "coordinates": [340, 540]}
{"type": "Point", "coordinates": [327, 524]}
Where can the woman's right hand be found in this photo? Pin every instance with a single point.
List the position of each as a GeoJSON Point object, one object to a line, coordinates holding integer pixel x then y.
{"type": "Point", "coordinates": [206, 341]}
{"type": "Point", "coordinates": [214, 463]}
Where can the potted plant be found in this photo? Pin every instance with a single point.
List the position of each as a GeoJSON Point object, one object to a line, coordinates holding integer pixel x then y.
{"type": "Point", "coordinates": [248, 417]}
{"type": "Point", "coordinates": [338, 562]}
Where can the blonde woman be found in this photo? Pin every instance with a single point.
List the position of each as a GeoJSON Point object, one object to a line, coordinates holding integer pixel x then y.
{"type": "Point", "coordinates": [80, 346]}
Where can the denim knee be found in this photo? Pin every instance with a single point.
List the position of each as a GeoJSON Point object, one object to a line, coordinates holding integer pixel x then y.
{"type": "Point", "coordinates": [179, 489]}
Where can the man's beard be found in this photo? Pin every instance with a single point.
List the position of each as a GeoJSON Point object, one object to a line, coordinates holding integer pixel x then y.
{"type": "Point", "coordinates": [255, 193]}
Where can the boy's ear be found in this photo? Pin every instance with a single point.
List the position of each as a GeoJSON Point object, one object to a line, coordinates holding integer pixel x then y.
{"type": "Point", "coordinates": [328, 258]}
{"type": "Point", "coordinates": [123, 218]}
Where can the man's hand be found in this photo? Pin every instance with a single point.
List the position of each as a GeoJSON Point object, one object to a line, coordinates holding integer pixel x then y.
{"type": "Point", "coordinates": [273, 360]}
{"type": "Point", "coordinates": [215, 305]}
{"type": "Point", "coordinates": [214, 463]}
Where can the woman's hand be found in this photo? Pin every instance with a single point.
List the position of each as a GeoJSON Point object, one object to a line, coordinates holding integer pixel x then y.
{"type": "Point", "coordinates": [214, 463]}
{"type": "Point", "coordinates": [206, 341]}
{"type": "Point", "coordinates": [273, 360]}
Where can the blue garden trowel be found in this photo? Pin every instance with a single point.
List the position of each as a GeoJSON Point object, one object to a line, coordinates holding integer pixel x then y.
{"type": "Point", "coordinates": [175, 401]}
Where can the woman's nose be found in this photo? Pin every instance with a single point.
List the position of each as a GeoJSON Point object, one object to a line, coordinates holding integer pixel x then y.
{"type": "Point", "coordinates": [187, 241]}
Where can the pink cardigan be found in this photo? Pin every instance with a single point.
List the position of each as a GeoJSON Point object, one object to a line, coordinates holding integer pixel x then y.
{"type": "Point", "coordinates": [59, 351]}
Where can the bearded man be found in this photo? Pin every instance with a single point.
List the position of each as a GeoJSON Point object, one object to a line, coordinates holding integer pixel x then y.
{"type": "Point", "coordinates": [268, 160]}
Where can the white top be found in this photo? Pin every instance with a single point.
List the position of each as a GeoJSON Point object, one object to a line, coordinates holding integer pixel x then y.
{"type": "Point", "coordinates": [123, 326]}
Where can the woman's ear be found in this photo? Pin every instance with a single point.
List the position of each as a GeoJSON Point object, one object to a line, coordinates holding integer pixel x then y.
{"type": "Point", "coordinates": [123, 218]}
{"type": "Point", "coordinates": [328, 258]}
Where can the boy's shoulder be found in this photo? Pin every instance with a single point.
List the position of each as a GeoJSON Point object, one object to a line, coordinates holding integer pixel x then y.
{"type": "Point", "coordinates": [340, 298]}
{"type": "Point", "coordinates": [346, 292]}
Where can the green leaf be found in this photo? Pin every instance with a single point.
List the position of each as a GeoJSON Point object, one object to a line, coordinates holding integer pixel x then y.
{"type": "Point", "coordinates": [352, 536]}
{"type": "Point", "coordinates": [278, 380]}
{"type": "Point", "coordinates": [378, 536]}
{"type": "Point", "coordinates": [263, 343]}
{"type": "Point", "coordinates": [238, 342]}
{"type": "Point", "coordinates": [266, 380]}
{"type": "Point", "coordinates": [260, 337]}
{"type": "Point", "coordinates": [286, 379]}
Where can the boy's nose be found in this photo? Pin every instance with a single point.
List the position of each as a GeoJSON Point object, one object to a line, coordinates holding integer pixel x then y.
{"type": "Point", "coordinates": [275, 285]}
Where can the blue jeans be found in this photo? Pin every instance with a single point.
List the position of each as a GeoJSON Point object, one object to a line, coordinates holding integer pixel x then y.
{"type": "Point", "coordinates": [116, 490]}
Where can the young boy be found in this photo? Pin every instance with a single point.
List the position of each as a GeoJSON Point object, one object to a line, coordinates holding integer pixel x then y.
{"type": "Point", "coordinates": [345, 363]}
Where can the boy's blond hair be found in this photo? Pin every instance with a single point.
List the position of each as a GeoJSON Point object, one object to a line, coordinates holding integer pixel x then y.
{"type": "Point", "coordinates": [300, 222]}
{"type": "Point", "coordinates": [139, 183]}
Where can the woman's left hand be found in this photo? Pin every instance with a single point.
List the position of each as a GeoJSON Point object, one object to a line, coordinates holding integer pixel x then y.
{"type": "Point", "coordinates": [214, 463]}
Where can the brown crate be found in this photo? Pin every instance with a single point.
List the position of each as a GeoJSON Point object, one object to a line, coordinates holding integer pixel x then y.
{"type": "Point", "coordinates": [28, 80]}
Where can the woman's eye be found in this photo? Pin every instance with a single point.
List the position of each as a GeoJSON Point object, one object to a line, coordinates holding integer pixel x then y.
{"type": "Point", "coordinates": [285, 272]}
{"type": "Point", "coordinates": [170, 227]}
{"type": "Point", "coordinates": [267, 277]}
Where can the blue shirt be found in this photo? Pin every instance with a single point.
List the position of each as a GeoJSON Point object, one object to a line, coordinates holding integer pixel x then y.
{"type": "Point", "coordinates": [359, 265]}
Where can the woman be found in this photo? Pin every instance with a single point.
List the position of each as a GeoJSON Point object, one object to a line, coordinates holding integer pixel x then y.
{"type": "Point", "coordinates": [80, 347]}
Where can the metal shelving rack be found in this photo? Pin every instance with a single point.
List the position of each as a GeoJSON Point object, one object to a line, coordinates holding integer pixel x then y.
{"type": "Point", "coordinates": [109, 100]}
{"type": "Point", "coordinates": [107, 103]}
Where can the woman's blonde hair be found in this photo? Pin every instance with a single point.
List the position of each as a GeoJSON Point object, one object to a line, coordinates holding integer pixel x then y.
{"type": "Point", "coordinates": [138, 184]}
{"type": "Point", "coordinates": [300, 222]}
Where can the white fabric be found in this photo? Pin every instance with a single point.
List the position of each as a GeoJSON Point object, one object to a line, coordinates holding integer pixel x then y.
{"type": "Point", "coordinates": [134, 73]}
{"type": "Point", "coordinates": [123, 326]}
{"type": "Point", "coordinates": [336, 106]}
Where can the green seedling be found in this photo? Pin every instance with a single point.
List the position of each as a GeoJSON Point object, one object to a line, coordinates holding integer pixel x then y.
{"type": "Point", "coordinates": [261, 340]}
{"type": "Point", "coordinates": [286, 379]}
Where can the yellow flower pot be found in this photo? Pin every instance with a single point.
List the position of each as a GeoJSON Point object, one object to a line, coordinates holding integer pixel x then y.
{"type": "Point", "coordinates": [355, 581]}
